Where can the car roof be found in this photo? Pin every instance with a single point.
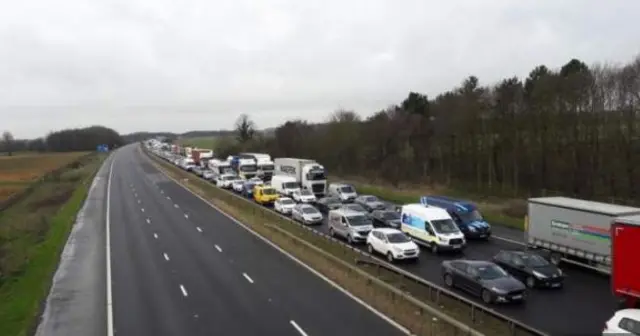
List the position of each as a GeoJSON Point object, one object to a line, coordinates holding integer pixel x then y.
{"type": "Point", "coordinates": [284, 199]}
{"type": "Point", "coordinates": [429, 212]}
{"type": "Point", "coordinates": [346, 212]}
{"type": "Point", "coordinates": [476, 263]}
{"type": "Point", "coordinates": [387, 230]}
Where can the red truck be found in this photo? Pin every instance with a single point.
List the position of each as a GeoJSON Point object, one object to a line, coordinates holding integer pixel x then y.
{"type": "Point", "coordinates": [200, 154]}
{"type": "Point", "coordinates": [625, 268]}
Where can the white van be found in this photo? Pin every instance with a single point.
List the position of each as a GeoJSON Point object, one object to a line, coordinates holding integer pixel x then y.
{"type": "Point", "coordinates": [345, 192]}
{"type": "Point", "coordinates": [431, 227]}
{"type": "Point", "coordinates": [285, 185]}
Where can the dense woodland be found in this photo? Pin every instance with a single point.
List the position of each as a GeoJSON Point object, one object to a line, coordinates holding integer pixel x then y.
{"type": "Point", "coordinates": [69, 140]}
{"type": "Point", "coordinates": [571, 131]}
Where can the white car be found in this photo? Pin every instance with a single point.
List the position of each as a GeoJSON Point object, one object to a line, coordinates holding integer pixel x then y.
{"type": "Point", "coordinates": [392, 243]}
{"type": "Point", "coordinates": [303, 196]}
{"type": "Point", "coordinates": [623, 322]}
{"type": "Point", "coordinates": [237, 185]}
{"type": "Point", "coordinates": [306, 214]}
{"type": "Point", "coordinates": [284, 205]}
{"type": "Point", "coordinates": [225, 180]}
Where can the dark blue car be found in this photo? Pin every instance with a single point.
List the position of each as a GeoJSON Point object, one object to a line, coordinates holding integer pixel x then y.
{"type": "Point", "coordinates": [464, 213]}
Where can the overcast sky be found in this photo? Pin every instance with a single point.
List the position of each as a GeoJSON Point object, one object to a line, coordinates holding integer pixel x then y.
{"type": "Point", "coordinates": [154, 65]}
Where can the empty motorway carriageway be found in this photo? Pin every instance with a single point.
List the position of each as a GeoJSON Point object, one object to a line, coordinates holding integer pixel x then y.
{"type": "Point", "coordinates": [179, 267]}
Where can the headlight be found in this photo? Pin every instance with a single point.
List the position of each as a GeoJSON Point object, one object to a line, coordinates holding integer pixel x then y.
{"type": "Point", "coordinates": [559, 272]}
{"type": "Point", "coordinates": [498, 290]}
{"type": "Point", "coordinates": [539, 275]}
{"type": "Point", "coordinates": [443, 240]}
{"type": "Point", "coordinates": [472, 229]}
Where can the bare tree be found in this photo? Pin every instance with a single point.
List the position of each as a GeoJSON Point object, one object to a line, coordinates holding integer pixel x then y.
{"type": "Point", "coordinates": [7, 142]}
{"type": "Point", "coordinates": [245, 128]}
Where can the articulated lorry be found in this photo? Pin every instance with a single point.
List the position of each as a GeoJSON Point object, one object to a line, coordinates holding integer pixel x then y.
{"type": "Point", "coordinates": [266, 166]}
{"type": "Point", "coordinates": [308, 173]}
{"type": "Point", "coordinates": [625, 273]}
{"type": "Point", "coordinates": [574, 230]}
{"type": "Point", "coordinates": [201, 156]}
{"type": "Point", "coordinates": [220, 167]}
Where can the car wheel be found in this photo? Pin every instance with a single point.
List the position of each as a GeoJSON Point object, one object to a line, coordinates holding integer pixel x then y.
{"type": "Point", "coordinates": [530, 282]}
{"type": "Point", "coordinates": [331, 232]}
{"type": "Point", "coordinates": [448, 280]}
{"type": "Point", "coordinates": [555, 258]}
{"type": "Point", "coordinates": [390, 257]}
{"type": "Point", "coordinates": [434, 248]}
{"type": "Point", "coordinates": [349, 239]}
{"type": "Point", "coordinates": [370, 248]}
{"type": "Point", "coordinates": [486, 296]}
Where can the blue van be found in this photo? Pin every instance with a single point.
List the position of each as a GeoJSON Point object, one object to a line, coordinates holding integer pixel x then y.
{"type": "Point", "coordinates": [464, 213]}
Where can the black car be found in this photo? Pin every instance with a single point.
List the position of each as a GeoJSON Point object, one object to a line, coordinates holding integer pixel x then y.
{"type": "Point", "coordinates": [326, 204]}
{"type": "Point", "coordinates": [388, 218]}
{"type": "Point", "coordinates": [531, 268]}
{"type": "Point", "coordinates": [484, 279]}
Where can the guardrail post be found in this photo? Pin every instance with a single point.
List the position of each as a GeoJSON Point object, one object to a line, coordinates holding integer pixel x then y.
{"type": "Point", "coordinates": [473, 314]}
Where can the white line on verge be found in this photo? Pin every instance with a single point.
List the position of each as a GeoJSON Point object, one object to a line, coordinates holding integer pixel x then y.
{"type": "Point", "coordinates": [295, 325]}
{"type": "Point", "coordinates": [108, 252]}
{"type": "Point", "coordinates": [184, 290]}
{"type": "Point", "coordinates": [218, 248]}
{"type": "Point", "coordinates": [247, 277]}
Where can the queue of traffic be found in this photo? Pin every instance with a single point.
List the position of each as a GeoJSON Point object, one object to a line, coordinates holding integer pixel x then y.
{"type": "Point", "coordinates": [442, 224]}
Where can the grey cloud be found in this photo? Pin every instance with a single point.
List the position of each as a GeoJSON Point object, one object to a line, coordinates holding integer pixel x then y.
{"type": "Point", "coordinates": [168, 65]}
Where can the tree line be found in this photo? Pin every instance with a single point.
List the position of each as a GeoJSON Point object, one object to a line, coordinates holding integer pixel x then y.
{"type": "Point", "coordinates": [68, 140]}
{"type": "Point", "coordinates": [572, 131]}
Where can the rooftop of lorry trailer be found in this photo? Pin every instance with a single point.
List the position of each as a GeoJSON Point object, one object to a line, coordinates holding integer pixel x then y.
{"type": "Point", "coordinates": [591, 206]}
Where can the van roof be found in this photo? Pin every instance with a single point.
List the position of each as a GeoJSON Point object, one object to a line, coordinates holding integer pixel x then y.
{"type": "Point", "coordinates": [429, 212]}
{"type": "Point", "coordinates": [588, 206]}
{"type": "Point", "coordinates": [346, 212]}
{"type": "Point", "coordinates": [451, 203]}
{"type": "Point", "coordinates": [284, 177]}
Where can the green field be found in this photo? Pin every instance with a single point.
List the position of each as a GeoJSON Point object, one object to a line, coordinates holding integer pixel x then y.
{"type": "Point", "coordinates": [208, 142]}
{"type": "Point", "coordinates": [33, 232]}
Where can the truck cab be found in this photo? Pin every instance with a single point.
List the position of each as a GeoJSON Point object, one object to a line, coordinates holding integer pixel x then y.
{"type": "Point", "coordinates": [245, 168]}
{"type": "Point", "coordinates": [625, 273]}
{"type": "Point", "coordinates": [285, 185]}
{"type": "Point", "coordinates": [308, 173]}
{"type": "Point", "coordinates": [465, 214]}
{"type": "Point", "coordinates": [264, 194]}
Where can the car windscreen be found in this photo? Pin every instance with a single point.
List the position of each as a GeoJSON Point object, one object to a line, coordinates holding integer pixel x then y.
{"type": "Point", "coordinates": [359, 220]}
{"type": "Point", "coordinates": [287, 201]}
{"type": "Point", "coordinates": [290, 185]}
{"type": "Point", "coordinates": [347, 189]}
{"type": "Point", "coordinates": [305, 192]}
{"type": "Point", "coordinates": [398, 238]}
{"type": "Point", "coordinates": [309, 210]}
{"type": "Point", "coordinates": [269, 191]}
{"type": "Point", "coordinates": [390, 215]}
{"type": "Point", "coordinates": [355, 207]}
{"type": "Point", "coordinates": [370, 199]}
{"type": "Point", "coordinates": [490, 272]}
{"type": "Point", "coordinates": [248, 168]}
{"type": "Point", "coordinates": [445, 226]}
{"type": "Point", "coordinates": [534, 260]}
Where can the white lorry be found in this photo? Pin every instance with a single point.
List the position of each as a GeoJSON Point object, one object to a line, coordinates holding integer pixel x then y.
{"type": "Point", "coordinates": [574, 230]}
{"type": "Point", "coordinates": [219, 167]}
{"type": "Point", "coordinates": [266, 166]}
{"type": "Point", "coordinates": [308, 173]}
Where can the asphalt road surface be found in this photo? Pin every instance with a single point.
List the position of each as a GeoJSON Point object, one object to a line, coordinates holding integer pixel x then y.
{"type": "Point", "coordinates": [179, 267]}
{"type": "Point", "coordinates": [581, 307]}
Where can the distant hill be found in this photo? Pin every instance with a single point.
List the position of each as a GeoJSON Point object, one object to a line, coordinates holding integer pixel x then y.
{"type": "Point", "coordinates": [139, 136]}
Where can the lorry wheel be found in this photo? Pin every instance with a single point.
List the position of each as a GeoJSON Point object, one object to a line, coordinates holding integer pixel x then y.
{"type": "Point", "coordinates": [555, 258]}
{"type": "Point", "coordinates": [370, 248]}
{"type": "Point", "coordinates": [390, 257]}
{"type": "Point", "coordinates": [448, 280]}
{"type": "Point", "coordinates": [486, 296]}
{"type": "Point", "coordinates": [530, 282]}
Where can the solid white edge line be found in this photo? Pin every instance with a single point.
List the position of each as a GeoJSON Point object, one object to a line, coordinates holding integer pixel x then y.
{"type": "Point", "coordinates": [184, 290]}
{"type": "Point", "coordinates": [199, 229]}
{"type": "Point", "coordinates": [218, 248]}
{"type": "Point", "coordinates": [247, 277]}
{"type": "Point", "coordinates": [298, 261]}
{"type": "Point", "coordinates": [108, 252]}
{"type": "Point", "coordinates": [295, 325]}
{"type": "Point", "coordinates": [166, 257]}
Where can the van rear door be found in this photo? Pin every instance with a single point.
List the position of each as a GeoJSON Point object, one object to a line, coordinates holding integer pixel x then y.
{"type": "Point", "coordinates": [625, 273]}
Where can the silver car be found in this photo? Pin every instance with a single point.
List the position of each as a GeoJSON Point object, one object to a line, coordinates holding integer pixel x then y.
{"type": "Point", "coordinates": [306, 214]}
{"type": "Point", "coordinates": [370, 202]}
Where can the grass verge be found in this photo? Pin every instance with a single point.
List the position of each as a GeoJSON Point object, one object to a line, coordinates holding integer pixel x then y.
{"type": "Point", "coordinates": [32, 235]}
{"type": "Point", "coordinates": [401, 310]}
{"type": "Point", "coordinates": [492, 210]}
